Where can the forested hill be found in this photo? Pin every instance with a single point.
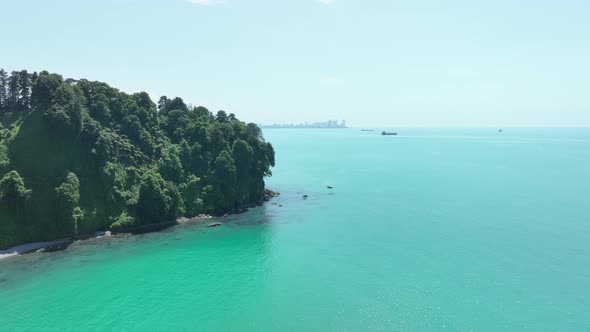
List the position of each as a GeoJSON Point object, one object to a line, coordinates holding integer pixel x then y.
{"type": "Point", "coordinates": [77, 156]}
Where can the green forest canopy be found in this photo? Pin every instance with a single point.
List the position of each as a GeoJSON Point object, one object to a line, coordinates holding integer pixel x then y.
{"type": "Point", "coordinates": [78, 156]}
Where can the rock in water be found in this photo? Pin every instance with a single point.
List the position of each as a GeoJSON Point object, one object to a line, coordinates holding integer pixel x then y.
{"type": "Point", "coordinates": [268, 194]}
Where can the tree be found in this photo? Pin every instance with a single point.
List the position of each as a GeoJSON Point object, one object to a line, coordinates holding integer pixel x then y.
{"type": "Point", "coordinates": [242, 154]}
{"type": "Point", "coordinates": [132, 127]}
{"type": "Point", "coordinates": [254, 131]}
{"type": "Point", "coordinates": [174, 202]}
{"type": "Point", "coordinates": [67, 196]}
{"type": "Point", "coordinates": [44, 88]}
{"type": "Point", "coordinates": [220, 195]}
{"type": "Point", "coordinates": [191, 191]}
{"type": "Point", "coordinates": [198, 160]}
{"type": "Point", "coordinates": [13, 91]}
{"type": "Point", "coordinates": [185, 154]}
{"type": "Point", "coordinates": [146, 142]}
{"type": "Point", "coordinates": [218, 141]}
{"type": "Point", "coordinates": [176, 121]}
{"type": "Point", "coordinates": [224, 169]}
{"type": "Point", "coordinates": [153, 204]}
{"type": "Point", "coordinates": [270, 157]}
{"type": "Point", "coordinates": [3, 90]}
{"type": "Point", "coordinates": [99, 110]}
{"type": "Point", "coordinates": [143, 101]}
{"type": "Point", "coordinates": [65, 115]}
{"type": "Point", "coordinates": [177, 104]}
{"type": "Point", "coordinates": [25, 91]}
{"type": "Point", "coordinates": [12, 188]}
{"type": "Point", "coordinates": [163, 103]}
{"type": "Point", "coordinates": [13, 193]}
{"type": "Point", "coordinates": [170, 166]}
{"type": "Point", "coordinates": [202, 112]}
{"type": "Point", "coordinates": [221, 117]}
{"type": "Point", "coordinates": [202, 137]}
{"type": "Point", "coordinates": [68, 193]}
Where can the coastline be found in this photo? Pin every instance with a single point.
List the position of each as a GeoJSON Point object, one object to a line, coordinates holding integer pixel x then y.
{"type": "Point", "coordinates": [62, 244]}
{"type": "Point", "coordinates": [58, 245]}
{"type": "Point", "coordinates": [31, 247]}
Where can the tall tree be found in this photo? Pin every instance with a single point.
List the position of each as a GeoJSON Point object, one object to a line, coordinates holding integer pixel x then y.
{"type": "Point", "coordinates": [24, 79]}
{"type": "Point", "coordinates": [163, 103]}
{"type": "Point", "coordinates": [177, 104]}
{"type": "Point", "coordinates": [221, 117]}
{"type": "Point", "coordinates": [3, 90]}
{"type": "Point", "coordinates": [13, 91]}
{"type": "Point", "coordinates": [67, 196]}
{"type": "Point", "coordinates": [242, 154]}
{"type": "Point", "coordinates": [223, 178]}
{"type": "Point", "coordinates": [45, 88]}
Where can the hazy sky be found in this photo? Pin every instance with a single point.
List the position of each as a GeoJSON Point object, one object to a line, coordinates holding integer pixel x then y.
{"type": "Point", "coordinates": [380, 63]}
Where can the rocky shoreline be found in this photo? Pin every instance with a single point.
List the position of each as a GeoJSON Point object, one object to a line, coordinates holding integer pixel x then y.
{"type": "Point", "coordinates": [35, 247]}
{"type": "Point", "coordinates": [62, 244]}
{"type": "Point", "coordinates": [58, 245]}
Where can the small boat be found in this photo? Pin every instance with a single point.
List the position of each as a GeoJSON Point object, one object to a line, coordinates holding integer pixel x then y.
{"type": "Point", "coordinates": [500, 130]}
{"type": "Point", "coordinates": [330, 187]}
{"type": "Point", "coordinates": [385, 133]}
{"type": "Point", "coordinates": [367, 129]}
{"type": "Point", "coordinates": [214, 224]}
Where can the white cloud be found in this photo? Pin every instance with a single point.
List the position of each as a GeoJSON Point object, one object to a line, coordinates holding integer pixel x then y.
{"type": "Point", "coordinates": [212, 2]}
{"type": "Point", "coordinates": [326, 2]}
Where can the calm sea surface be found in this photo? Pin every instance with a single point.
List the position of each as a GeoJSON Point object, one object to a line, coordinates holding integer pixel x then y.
{"type": "Point", "coordinates": [432, 230]}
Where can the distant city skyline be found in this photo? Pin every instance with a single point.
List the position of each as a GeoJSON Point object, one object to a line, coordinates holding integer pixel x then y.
{"type": "Point", "coordinates": [306, 124]}
{"type": "Point", "coordinates": [380, 63]}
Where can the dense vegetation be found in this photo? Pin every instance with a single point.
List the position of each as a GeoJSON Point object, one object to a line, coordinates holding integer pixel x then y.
{"type": "Point", "coordinates": [77, 156]}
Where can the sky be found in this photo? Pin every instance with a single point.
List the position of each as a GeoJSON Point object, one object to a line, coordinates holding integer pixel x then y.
{"type": "Point", "coordinates": [382, 63]}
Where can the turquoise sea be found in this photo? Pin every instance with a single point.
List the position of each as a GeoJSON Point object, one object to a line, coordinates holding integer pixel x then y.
{"type": "Point", "coordinates": [432, 230]}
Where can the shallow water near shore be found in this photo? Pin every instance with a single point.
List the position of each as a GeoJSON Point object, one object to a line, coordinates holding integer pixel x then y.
{"type": "Point", "coordinates": [434, 229]}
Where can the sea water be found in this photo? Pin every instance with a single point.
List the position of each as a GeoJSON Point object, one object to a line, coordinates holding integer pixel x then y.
{"type": "Point", "coordinates": [430, 230]}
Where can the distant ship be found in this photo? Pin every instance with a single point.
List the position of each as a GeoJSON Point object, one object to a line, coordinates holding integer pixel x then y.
{"type": "Point", "coordinates": [500, 130]}
{"type": "Point", "coordinates": [367, 129]}
{"type": "Point", "coordinates": [385, 133]}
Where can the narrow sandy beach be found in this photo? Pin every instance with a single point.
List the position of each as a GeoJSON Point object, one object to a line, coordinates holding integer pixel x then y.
{"type": "Point", "coordinates": [26, 248]}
